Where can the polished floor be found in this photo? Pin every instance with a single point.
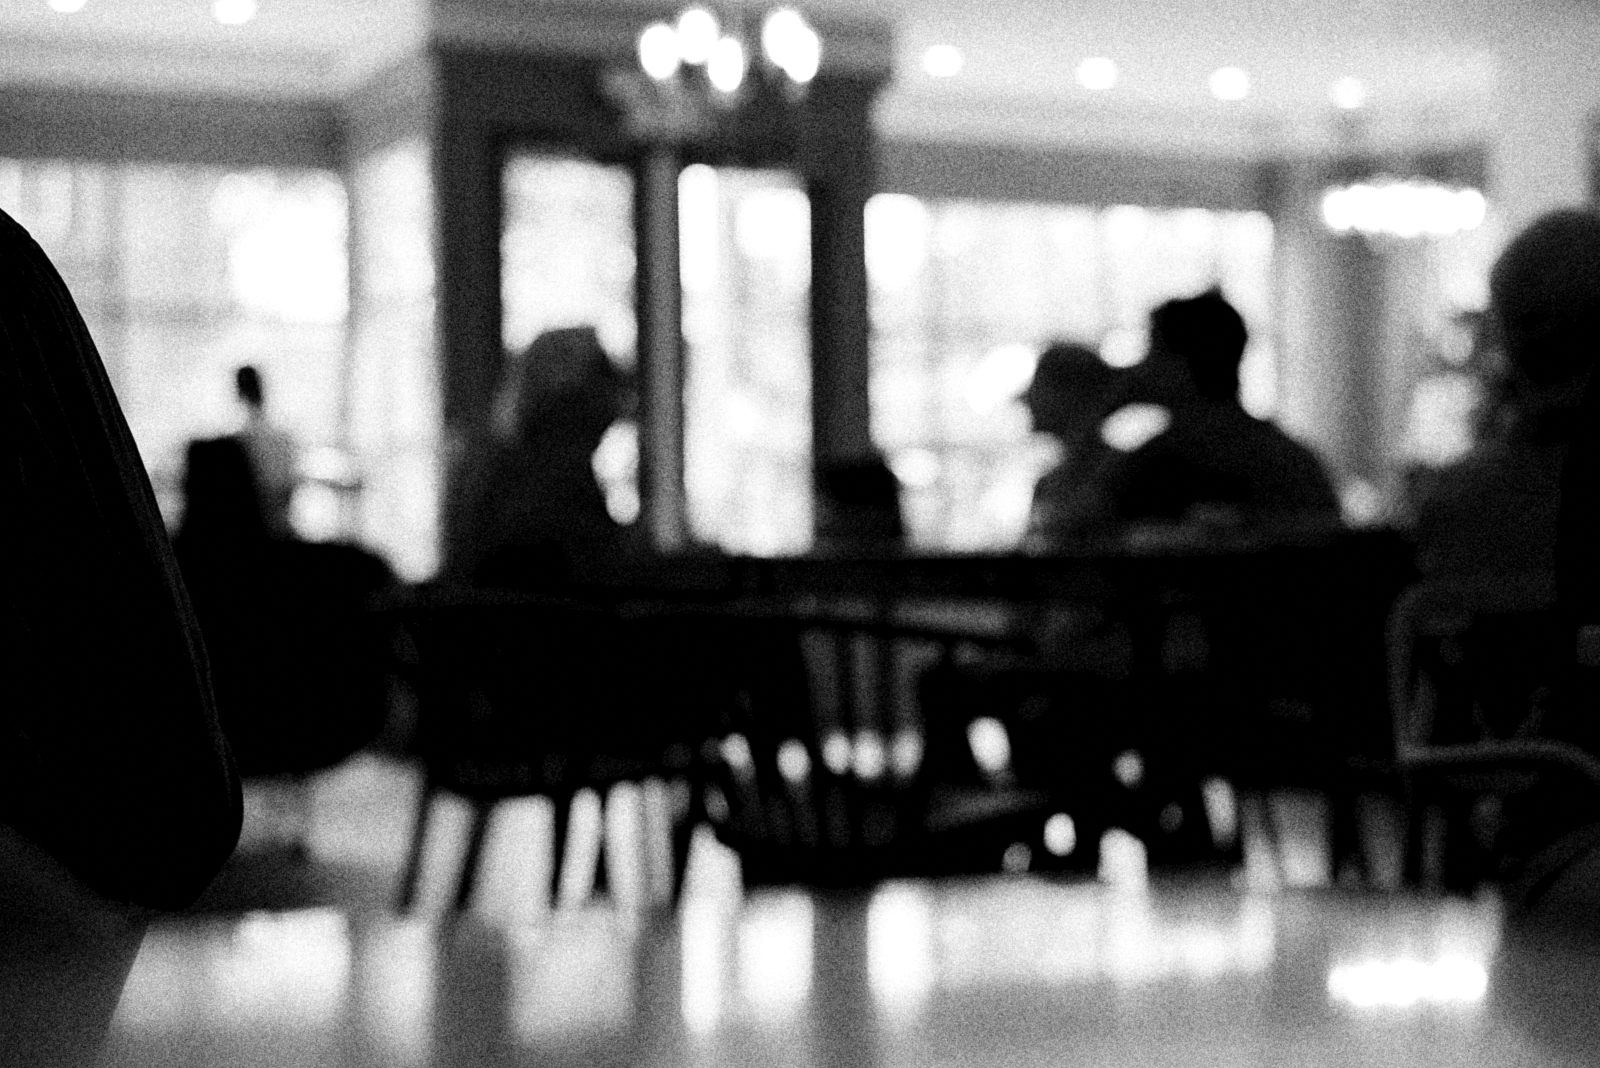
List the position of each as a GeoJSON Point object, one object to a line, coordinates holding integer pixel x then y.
{"type": "Point", "coordinates": [1003, 971]}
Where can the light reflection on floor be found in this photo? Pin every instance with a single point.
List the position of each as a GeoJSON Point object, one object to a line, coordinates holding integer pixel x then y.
{"type": "Point", "coordinates": [999, 971]}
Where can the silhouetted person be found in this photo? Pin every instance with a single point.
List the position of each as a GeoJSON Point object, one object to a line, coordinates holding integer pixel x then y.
{"type": "Point", "coordinates": [272, 451]}
{"type": "Point", "coordinates": [297, 659]}
{"type": "Point", "coordinates": [1071, 393]}
{"type": "Point", "coordinates": [117, 792]}
{"type": "Point", "coordinates": [1213, 464]}
{"type": "Point", "coordinates": [859, 507]}
{"type": "Point", "coordinates": [1494, 512]}
{"type": "Point", "coordinates": [534, 513]}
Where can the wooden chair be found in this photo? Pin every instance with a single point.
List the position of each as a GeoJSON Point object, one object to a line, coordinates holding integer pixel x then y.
{"type": "Point", "coordinates": [524, 696]}
{"type": "Point", "coordinates": [822, 769]}
{"type": "Point", "coordinates": [1471, 662]}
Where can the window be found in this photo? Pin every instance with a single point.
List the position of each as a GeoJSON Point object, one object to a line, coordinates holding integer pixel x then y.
{"type": "Point", "coordinates": [567, 259]}
{"type": "Point", "coordinates": [745, 250]}
{"type": "Point", "coordinates": [964, 293]}
{"type": "Point", "coordinates": [183, 274]}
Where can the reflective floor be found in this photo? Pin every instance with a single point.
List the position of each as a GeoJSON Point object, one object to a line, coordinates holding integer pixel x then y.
{"type": "Point", "coordinates": [1006, 971]}
{"type": "Point", "coordinates": [1001, 971]}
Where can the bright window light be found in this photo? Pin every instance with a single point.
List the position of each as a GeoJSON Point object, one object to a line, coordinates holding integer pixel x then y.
{"type": "Point", "coordinates": [726, 66]}
{"type": "Point", "coordinates": [1230, 83]}
{"type": "Point", "coordinates": [943, 61]}
{"type": "Point", "coordinates": [1348, 93]}
{"type": "Point", "coordinates": [697, 35]}
{"type": "Point", "coordinates": [67, 7]}
{"type": "Point", "coordinates": [233, 12]}
{"type": "Point", "coordinates": [1004, 372]}
{"type": "Point", "coordinates": [1133, 425]}
{"type": "Point", "coordinates": [1097, 74]}
{"type": "Point", "coordinates": [658, 51]}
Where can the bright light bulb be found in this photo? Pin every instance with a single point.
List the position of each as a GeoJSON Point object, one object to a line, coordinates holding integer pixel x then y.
{"type": "Point", "coordinates": [1097, 74]}
{"type": "Point", "coordinates": [233, 12]}
{"type": "Point", "coordinates": [697, 35]}
{"type": "Point", "coordinates": [725, 68]}
{"type": "Point", "coordinates": [943, 61]}
{"type": "Point", "coordinates": [658, 51]}
{"type": "Point", "coordinates": [1348, 93]}
{"type": "Point", "coordinates": [67, 7]}
{"type": "Point", "coordinates": [791, 44]}
{"type": "Point", "coordinates": [1230, 83]}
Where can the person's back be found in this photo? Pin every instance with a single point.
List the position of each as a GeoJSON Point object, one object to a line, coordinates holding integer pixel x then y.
{"type": "Point", "coordinates": [1216, 456]}
{"type": "Point", "coordinates": [274, 455]}
{"type": "Point", "coordinates": [535, 514]}
{"type": "Point", "coordinates": [1212, 462]}
{"type": "Point", "coordinates": [1495, 511]}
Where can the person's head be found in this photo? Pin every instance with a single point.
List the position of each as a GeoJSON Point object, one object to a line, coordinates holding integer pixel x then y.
{"type": "Point", "coordinates": [1208, 335]}
{"type": "Point", "coordinates": [1071, 391]}
{"type": "Point", "coordinates": [1544, 301]}
{"type": "Point", "coordinates": [563, 379]}
{"type": "Point", "coordinates": [247, 384]}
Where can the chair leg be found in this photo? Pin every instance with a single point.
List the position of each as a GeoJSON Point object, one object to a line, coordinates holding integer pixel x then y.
{"type": "Point", "coordinates": [419, 834]}
{"type": "Point", "coordinates": [561, 806]}
{"type": "Point", "coordinates": [469, 862]}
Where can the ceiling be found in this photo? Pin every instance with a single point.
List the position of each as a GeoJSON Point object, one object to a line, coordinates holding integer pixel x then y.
{"type": "Point", "coordinates": [1431, 68]}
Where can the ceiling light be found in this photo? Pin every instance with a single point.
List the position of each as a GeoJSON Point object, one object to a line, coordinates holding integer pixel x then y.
{"type": "Point", "coordinates": [943, 61]}
{"type": "Point", "coordinates": [658, 51]}
{"type": "Point", "coordinates": [791, 44]}
{"type": "Point", "coordinates": [1348, 93]}
{"type": "Point", "coordinates": [697, 35]}
{"type": "Point", "coordinates": [233, 12]}
{"type": "Point", "coordinates": [1403, 209]}
{"type": "Point", "coordinates": [1097, 74]}
{"type": "Point", "coordinates": [67, 7]}
{"type": "Point", "coordinates": [1230, 83]}
{"type": "Point", "coordinates": [725, 67]}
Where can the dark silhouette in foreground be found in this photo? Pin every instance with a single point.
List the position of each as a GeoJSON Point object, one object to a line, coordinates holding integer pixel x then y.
{"type": "Point", "coordinates": [117, 793]}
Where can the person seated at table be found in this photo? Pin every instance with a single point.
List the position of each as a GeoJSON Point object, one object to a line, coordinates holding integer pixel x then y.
{"type": "Point", "coordinates": [535, 516]}
{"type": "Point", "coordinates": [1494, 511]}
{"type": "Point", "coordinates": [1210, 464]}
{"type": "Point", "coordinates": [297, 661]}
{"type": "Point", "coordinates": [1071, 393]}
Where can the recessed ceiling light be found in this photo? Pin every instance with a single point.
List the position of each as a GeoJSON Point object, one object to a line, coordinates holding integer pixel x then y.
{"type": "Point", "coordinates": [67, 7]}
{"type": "Point", "coordinates": [943, 61]}
{"type": "Point", "coordinates": [1348, 93]}
{"type": "Point", "coordinates": [233, 12]}
{"type": "Point", "coordinates": [1230, 83]}
{"type": "Point", "coordinates": [1097, 73]}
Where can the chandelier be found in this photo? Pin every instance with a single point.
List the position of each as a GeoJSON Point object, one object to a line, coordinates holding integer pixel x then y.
{"type": "Point", "coordinates": [694, 68]}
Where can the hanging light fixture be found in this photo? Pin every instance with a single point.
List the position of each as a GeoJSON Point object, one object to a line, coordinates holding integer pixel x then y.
{"type": "Point", "coordinates": [695, 66]}
{"type": "Point", "coordinates": [1391, 207]}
